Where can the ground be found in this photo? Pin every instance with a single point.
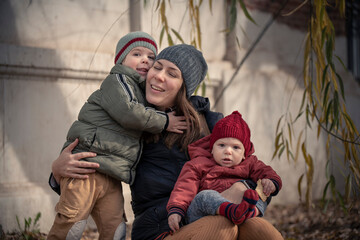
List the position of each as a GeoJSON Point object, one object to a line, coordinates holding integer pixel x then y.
{"type": "Point", "coordinates": [296, 222]}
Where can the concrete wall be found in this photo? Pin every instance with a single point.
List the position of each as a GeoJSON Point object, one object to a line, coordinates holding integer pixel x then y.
{"type": "Point", "coordinates": [53, 54]}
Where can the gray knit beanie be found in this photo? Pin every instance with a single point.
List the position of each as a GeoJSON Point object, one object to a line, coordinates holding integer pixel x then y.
{"type": "Point", "coordinates": [191, 63]}
{"type": "Point", "coordinates": [132, 40]}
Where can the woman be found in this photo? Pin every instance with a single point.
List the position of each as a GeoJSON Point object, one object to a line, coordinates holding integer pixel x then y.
{"type": "Point", "coordinates": [176, 74]}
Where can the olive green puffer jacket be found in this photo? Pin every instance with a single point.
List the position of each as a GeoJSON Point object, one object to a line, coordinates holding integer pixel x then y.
{"type": "Point", "coordinates": [111, 123]}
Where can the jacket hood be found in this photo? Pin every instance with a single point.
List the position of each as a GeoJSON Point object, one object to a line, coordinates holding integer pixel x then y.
{"type": "Point", "coordinates": [201, 104]}
{"type": "Point", "coordinates": [200, 148]}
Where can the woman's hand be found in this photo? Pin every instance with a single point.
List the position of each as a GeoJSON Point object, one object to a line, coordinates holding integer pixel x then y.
{"type": "Point", "coordinates": [235, 193]}
{"type": "Point", "coordinates": [68, 164]}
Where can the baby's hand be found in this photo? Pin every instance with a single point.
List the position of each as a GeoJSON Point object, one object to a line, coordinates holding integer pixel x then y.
{"type": "Point", "coordinates": [173, 222]}
{"type": "Point", "coordinates": [176, 123]}
{"type": "Point", "coordinates": [268, 186]}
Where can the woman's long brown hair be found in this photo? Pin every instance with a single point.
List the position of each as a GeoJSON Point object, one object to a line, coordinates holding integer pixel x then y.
{"type": "Point", "coordinates": [183, 107]}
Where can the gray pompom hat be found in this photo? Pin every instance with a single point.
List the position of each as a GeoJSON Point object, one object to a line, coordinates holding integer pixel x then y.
{"type": "Point", "coordinates": [132, 40]}
{"type": "Point", "coordinates": [191, 63]}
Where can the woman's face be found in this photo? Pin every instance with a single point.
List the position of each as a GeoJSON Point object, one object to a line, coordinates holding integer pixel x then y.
{"type": "Point", "coordinates": [163, 83]}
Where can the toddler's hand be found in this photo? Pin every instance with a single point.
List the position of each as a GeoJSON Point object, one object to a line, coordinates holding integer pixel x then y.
{"type": "Point", "coordinates": [268, 186]}
{"type": "Point", "coordinates": [173, 222]}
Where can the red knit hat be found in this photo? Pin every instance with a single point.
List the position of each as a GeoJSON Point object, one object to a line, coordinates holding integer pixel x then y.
{"type": "Point", "coordinates": [232, 126]}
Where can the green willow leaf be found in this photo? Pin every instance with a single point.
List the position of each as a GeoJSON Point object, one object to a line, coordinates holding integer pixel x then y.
{"type": "Point", "coordinates": [321, 17]}
{"type": "Point", "coordinates": [325, 97]}
{"type": "Point", "coordinates": [342, 63]}
{"type": "Point", "coordinates": [278, 139]}
{"type": "Point", "coordinates": [336, 109]}
{"type": "Point", "coordinates": [233, 15]}
{"type": "Point", "coordinates": [348, 188]}
{"type": "Point", "coordinates": [210, 6]}
{"type": "Point", "coordinates": [302, 101]}
{"type": "Point", "coordinates": [177, 35]}
{"type": "Point", "coordinates": [281, 151]}
{"type": "Point", "coordinates": [291, 155]}
{"type": "Point", "coordinates": [329, 51]}
{"type": "Point", "coordinates": [323, 36]}
{"type": "Point", "coordinates": [276, 150]}
{"type": "Point", "coordinates": [325, 205]}
{"type": "Point", "coordinates": [278, 124]}
{"type": "Point", "coordinates": [298, 116]}
{"type": "Point", "coordinates": [332, 126]}
{"type": "Point", "coordinates": [341, 86]}
{"type": "Point", "coordinates": [243, 7]}
{"type": "Point", "coordinates": [299, 185]}
{"type": "Point", "coordinates": [307, 117]}
{"type": "Point", "coordinates": [203, 89]}
{"type": "Point", "coordinates": [170, 41]}
{"type": "Point", "coordinates": [298, 146]}
{"type": "Point", "coordinates": [162, 35]}
{"type": "Point", "coordinates": [290, 136]}
{"type": "Point", "coordinates": [287, 149]}
{"type": "Point", "coordinates": [349, 122]}
{"type": "Point", "coordinates": [341, 200]}
{"type": "Point", "coordinates": [324, 76]}
{"type": "Point", "coordinates": [325, 190]}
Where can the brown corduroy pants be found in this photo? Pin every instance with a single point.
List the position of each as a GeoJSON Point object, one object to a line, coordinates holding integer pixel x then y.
{"type": "Point", "coordinates": [99, 195]}
{"type": "Point", "coordinates": [220, 228]}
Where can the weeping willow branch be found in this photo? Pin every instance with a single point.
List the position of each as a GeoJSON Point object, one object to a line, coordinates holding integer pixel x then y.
{"type": "Point", "coordinates": [323, 101]}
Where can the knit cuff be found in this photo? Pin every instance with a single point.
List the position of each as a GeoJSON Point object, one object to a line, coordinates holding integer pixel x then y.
{"type": "Point", "coordinates": [176, 210]}
{"type": "Point", "coordinates": [167, 122]}
{"type": "Point", "coordinates": [276, 186]}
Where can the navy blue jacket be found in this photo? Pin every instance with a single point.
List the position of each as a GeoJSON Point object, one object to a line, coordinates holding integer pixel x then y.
{"type": "Point", "coordinates": [156, 174]}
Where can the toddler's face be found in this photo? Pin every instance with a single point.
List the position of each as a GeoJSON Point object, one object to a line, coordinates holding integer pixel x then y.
{"type": "Point", "coordinates": [140, 59]}
{"type": "Point", "coordinates": [228, 152]}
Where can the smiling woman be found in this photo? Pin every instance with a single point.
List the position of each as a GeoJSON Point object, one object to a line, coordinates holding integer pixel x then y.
{"type": "Point", "coordinates": [163, 84]}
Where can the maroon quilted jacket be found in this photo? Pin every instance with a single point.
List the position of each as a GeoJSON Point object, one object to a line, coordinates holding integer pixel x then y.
{"type": "Point", "coordinates": [202, 173]}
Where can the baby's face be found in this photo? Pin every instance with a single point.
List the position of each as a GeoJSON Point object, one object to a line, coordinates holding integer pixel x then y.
{"type": "Point", "coordinates": [140, 59]}
{"type": "Point", "coordinates": [228, 152]}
